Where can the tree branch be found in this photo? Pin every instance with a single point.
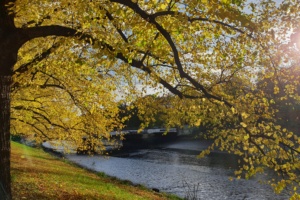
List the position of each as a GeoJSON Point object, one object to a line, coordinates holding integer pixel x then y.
{"type": "Point", "coordinates": [23, 68]}
{"type": "Point", "coordinates": [32, 125]}
{"type": "Point", "coordinates": [167, 36]}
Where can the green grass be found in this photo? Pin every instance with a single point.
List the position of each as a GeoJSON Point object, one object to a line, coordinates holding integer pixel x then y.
{"type": "Point", "coordinates": [39, 175]}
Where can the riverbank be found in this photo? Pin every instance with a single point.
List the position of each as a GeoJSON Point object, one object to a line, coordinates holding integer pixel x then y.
{"type": "Point", "coordinates": [39, 175]}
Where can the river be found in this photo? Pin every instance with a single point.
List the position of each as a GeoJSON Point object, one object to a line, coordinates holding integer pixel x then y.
{"type": "Point", "coordinates": [174, 168]}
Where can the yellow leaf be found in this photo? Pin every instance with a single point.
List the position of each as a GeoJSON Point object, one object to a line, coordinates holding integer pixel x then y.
{"type": "Point", "coordinates": [276, 90]}
{"type": "Point", "coordinates": [163, 6]}
{"type": "Point", "coordinates": [251, 150]}
{"type": "Point", "coordinates": [233, 110]}
{"type": "Point", "coordinates": [197, 123]}
{"type": "Point", "coordinates": [243, 124]}
{"type": "Point", "coordinates": [245, 115]}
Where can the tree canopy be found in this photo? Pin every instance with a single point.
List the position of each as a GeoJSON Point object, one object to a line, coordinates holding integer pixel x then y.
{"type": "Point", "coordinates": [223, 63]}
{"type": "Point", "coordinates": [62, 98]}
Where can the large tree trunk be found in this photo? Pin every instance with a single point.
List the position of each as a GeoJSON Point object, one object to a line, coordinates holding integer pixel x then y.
{"type": "Point", "coordinates": [10, 42]}
{"type": "Point", "coordinates": [5, 183]}
{"type": "Point", "coordinates": [9, 46]}
{"type": "Point", "coordinates": [8, 58]}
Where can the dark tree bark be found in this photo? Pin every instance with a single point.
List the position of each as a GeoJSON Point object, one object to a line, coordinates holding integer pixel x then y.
{"type": "Point", "coordinates": [8, 57]}
{"type": "Point", "coordinates": [5, 82]}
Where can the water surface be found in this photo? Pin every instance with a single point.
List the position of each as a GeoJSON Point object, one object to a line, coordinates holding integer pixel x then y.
{"type": "Point", "coordinates": [174, 168]}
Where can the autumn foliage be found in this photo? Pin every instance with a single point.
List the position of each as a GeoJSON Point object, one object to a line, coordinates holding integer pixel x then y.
{"type": "Point", "coordinates": [229, 65]}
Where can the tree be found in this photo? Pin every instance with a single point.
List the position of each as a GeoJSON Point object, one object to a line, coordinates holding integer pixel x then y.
{"type": "Point", "coordinates": [59, 103]}
{"type": "Point", "coordinates": [197, 51]}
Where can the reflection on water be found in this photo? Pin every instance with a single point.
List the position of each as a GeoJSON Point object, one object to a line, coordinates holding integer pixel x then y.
{"type": "Point", "coordinates": [175, 170]}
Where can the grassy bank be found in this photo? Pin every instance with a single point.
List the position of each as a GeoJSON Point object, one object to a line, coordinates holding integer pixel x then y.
{"type": "Point", "coordinates": [39, 175]}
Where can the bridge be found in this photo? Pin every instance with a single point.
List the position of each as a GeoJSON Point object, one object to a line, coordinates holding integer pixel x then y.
{"type": "Point", "coordinates": [131, 139]}
{"type": "Point", "coordinates": [146, 138]}
{"type": "Point", "coordinates": [160, 131]}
